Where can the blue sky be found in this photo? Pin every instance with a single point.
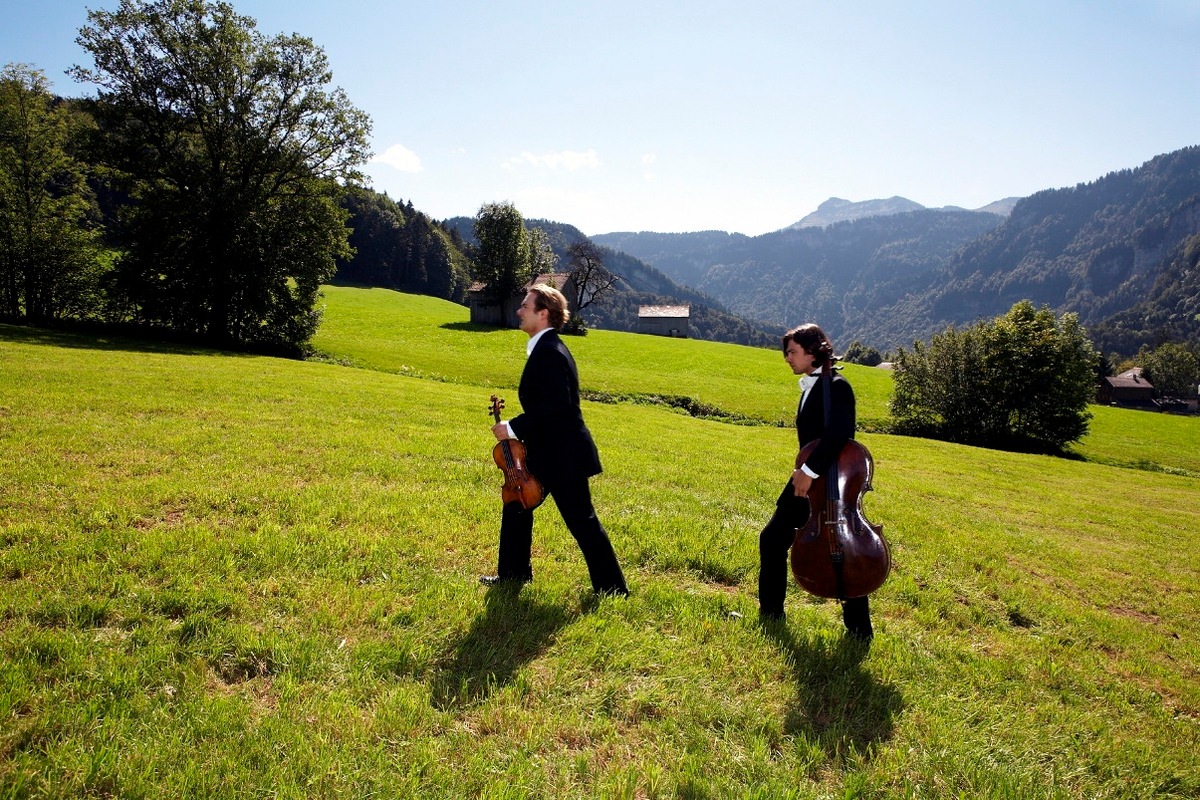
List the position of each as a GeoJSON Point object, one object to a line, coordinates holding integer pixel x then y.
{"type": "Point", "coordinates": [626, 115]}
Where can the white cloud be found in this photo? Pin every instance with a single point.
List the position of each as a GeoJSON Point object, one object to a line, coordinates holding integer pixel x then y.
{"type": "Point", "coordinates": [570, 160]}
{"type": "Point", "coordinates": [649, 158]}
{"type": "Point", "coordinates": [399, 157]}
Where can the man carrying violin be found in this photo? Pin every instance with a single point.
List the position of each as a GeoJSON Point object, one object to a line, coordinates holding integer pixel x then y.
{"type": "Point", "coordinates": [559, 446]}
{"type": "Point", "coordinates": [808, 351]}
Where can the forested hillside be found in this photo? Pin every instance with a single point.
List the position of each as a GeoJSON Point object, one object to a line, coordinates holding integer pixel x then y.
{"type": "Point", "coordinates": [1169, 312]}
{"type": "Point", "coordinates": [837, 275]}
{"type": "Point", "coordinates": [398, 247]}
{"type": "Point", "coordinates": [1098, 249]}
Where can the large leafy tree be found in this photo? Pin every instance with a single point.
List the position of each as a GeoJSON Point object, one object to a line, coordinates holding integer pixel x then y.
{"type": "Point", "coordinates": [235, 152]}
{"type": "Point", "coordinates": [1173, 368]}
{"type": "Point", "coordinates": [1022, 381]}
{"type": "Point", "coordinates": [48, 247]}
{"type": "Point", "coordinates": [508, 255]}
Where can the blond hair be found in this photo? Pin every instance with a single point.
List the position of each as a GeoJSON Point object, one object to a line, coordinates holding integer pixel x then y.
{"type": "Point", "coordinates": [553, 301]}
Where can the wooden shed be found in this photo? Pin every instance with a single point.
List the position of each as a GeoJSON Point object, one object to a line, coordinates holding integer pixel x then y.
{"type": "Point", "coordinates": [664, 320]}
{"type": "Point", "coordinates": [1127, 389]}
{"type": "Point", "coordinates": [505, 314]}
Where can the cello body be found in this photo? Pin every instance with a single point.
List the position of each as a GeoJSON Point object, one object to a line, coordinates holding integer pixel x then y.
{"type": "Point", "coordinates": [520, 486]}
{"type": "Point", "coordinates": [839, 553]}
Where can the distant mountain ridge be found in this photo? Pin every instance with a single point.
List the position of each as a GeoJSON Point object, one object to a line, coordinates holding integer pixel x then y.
{"type": "Point", "coordinates": [1121, 251]}
{"type": "Point", "coordinates": [835, 210]}
{"type": "Point", "coordinates": [837, 275]}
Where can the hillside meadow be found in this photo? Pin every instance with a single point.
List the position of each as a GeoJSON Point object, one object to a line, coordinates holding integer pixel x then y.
{"type": "Point", "coordinates": [235, 576]}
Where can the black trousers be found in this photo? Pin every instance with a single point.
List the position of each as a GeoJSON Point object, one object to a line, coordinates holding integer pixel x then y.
{"type": "Point", "coordinates": [774, 544]}
{"type": "Point", "coordinates": [573, 497]}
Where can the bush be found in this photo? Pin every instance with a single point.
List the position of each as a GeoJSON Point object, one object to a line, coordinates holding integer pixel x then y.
{"type": "Point", "coordinates": [1021, 382]}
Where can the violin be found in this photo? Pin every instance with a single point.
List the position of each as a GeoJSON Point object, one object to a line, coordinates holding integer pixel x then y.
{"type": "Point", "coordinates": [519, 484]}
{"type": "Point", "coordinates": [839, 553]}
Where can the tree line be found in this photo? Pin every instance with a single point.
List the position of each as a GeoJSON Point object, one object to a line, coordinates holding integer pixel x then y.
{"type": "Point", "coordinates": [395, 246]}
{"type": "Point", "coordinates": [199, 193]}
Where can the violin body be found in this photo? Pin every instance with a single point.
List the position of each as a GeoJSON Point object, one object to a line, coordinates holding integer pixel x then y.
{"type": "Point", "coordinates": [839, 553]}
{"type": "Point", "coordinates": [520, 486]}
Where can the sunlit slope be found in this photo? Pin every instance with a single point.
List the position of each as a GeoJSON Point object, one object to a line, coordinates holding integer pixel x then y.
{"type": "Point", "coordinates": [213, 559]}
{"type": "Point", "coordinates": [413, 335]}
{"type": "Point", "coordinates": [407, 334]}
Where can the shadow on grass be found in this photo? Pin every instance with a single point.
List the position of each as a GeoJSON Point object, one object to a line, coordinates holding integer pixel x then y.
{"type": "Point", "coordinates": [512, 631]}
{"type": "Point", "coordinates": [839, 706]}
{"type": "Point", "coordinates": [85, 338]}
{"type": "Point", "coordinates": [474, 327]}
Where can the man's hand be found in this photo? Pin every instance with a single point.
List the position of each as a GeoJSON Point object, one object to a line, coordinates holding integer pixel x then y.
{"type": "Point", "coordinates": [500, 431]}
{"type": "Point", "coordinates": [801, 483]}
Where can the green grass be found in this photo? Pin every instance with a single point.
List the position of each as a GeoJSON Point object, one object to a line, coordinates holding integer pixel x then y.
{"type": "Point", "coordinates": [232, 576]}
{"type": "Point", "coordinates": [434, 339]}
{"type": "Point", "coordinates": [1143, 440]}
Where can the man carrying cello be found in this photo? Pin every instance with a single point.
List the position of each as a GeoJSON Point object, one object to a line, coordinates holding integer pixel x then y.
{"type": "Point", "coordinates": [560, 450]}
{"type": "Point", "coordinates": [808, 352]}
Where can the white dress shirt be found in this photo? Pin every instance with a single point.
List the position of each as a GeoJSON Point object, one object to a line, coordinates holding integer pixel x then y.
{"type": "Point", "coordinates": [807, 383]}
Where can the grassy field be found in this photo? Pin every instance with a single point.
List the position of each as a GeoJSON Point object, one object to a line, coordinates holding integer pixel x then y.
{"type": "Point", "coordinates": [435, 339]}
{"type": "Point", "coordinates": [234, 576]}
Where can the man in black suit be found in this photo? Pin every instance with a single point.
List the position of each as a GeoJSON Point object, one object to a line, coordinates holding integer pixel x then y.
{"type": "Point", "coordinates": [808, 352]}
{"type": "Point", "coordinates": [559, 449]}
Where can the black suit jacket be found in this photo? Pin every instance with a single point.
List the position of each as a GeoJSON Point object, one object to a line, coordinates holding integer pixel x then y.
{"type": "Point", "coordinates": [810, 423]}
{"type": "Point", "coordinates": [551, 424]}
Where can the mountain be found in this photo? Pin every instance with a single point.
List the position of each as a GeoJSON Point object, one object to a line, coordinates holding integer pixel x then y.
{"type": "Point", "coordinates": [837, 275]}
{"type": "Point", "coordinates": [1003, 207]}
{"type": "Point", "coordinates": [1121, 251]}
{"type": "Point", "coordinates": [1096, 249]}
{"type": "Point", "coordinates": [835, 210]}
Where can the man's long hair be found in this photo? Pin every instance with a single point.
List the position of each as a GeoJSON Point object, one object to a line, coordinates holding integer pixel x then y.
{"type": "Point", "coordinates": [814, 341]}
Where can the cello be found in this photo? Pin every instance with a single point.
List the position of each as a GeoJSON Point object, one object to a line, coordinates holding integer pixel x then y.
{"type": "Point", "coordinates": [520, 486]}
{"type": "Point", "coordinates": [839, 553]}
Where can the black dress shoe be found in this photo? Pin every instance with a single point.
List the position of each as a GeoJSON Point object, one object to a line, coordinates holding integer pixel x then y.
{"type": "Point", "coordinates": [856, 615]}
{"type": "Point", "coordinates": [496, 580]}
{"type": "Point", "coordinates": [861, 634]}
